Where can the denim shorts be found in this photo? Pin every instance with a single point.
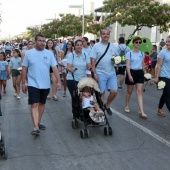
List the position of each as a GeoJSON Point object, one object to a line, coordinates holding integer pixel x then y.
{"type": "Point", "coordinates": [107, 82]}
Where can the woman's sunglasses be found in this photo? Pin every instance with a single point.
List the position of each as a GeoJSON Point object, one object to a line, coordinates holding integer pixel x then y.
{"type": "Point", "coordinates": [138, 42]}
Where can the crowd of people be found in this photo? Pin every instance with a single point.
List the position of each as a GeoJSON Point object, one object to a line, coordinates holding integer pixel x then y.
{"type": "Point", "coordinates": [41, 71]}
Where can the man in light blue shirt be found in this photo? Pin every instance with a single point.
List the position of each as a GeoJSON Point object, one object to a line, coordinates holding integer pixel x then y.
{"type": "Point", "coordinates": [105, 72]}
{"type": "Point", "coordinates": [122, 49]}
{"type": "Point", "coordinates": [35, 68]}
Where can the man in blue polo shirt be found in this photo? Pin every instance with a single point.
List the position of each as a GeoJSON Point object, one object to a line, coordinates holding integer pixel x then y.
{"type": "Point", "coordinates": [35, 67]}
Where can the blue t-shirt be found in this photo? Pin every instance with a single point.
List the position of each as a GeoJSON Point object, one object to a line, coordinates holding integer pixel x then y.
{"type": "Point", "coordinates": [165, 69]}
{"type": "Point", "coordinates": [87, 50]}
{"type": "Point", "coordinates": [79, 62]}
{"type": "Point", "coordinates": [64, 46]}
{"type": "Point", "coordinates": [38, 64]}
{"type": "Point", "coordinates": [57, 48]}
{"type": "Point", "coordinates": [15, 62]}
{"type": "Point", "coordinates": [3, 65]}
{"type": "Point", "coordinates": [136, 60]}
{"type": "Point", "coordinates": [105, 65]}
{"type": "Point", "coordinates": [7, 47]}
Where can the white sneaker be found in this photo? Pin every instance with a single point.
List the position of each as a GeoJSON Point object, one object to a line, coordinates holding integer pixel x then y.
{"type": "Point", "coordinates": [18, 97]}
{"type": "Point", "coordinates": [55, 98]}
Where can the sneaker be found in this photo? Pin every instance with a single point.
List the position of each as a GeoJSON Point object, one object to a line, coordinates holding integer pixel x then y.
{"type": "Point", "coordinates": [64, 94]}
{"type": "Point", "coordinates": [41, 126]}
{"type": "Point", "coordinates": [18, 97]}
{"type": "Point", "coordinates": [35, 132]}
{"type": "Point", "coordinates": [55, 98]}
{"type": "Point", "coordinates": [120, 87]}
{"type": "Point", "coordinates": [109, 112]}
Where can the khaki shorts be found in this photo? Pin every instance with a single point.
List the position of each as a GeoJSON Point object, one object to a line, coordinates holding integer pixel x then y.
{"type": "Point", "coordinates": [15, 73]}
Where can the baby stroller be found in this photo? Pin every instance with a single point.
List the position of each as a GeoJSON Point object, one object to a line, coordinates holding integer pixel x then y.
{"type": "Point", "coordinates": [83, 114]}
{"type": "Point", "coordinates": [3, 150]}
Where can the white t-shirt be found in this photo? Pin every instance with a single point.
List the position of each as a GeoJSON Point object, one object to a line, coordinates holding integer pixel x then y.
{"type": "Point", "coordinates": [38, 64]}
{"type": "Point", "coordinates": [86, 102]}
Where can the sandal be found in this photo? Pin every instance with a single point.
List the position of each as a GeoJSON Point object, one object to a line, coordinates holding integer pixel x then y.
{"type": "Point", "coordinates": [161, 112]}
{"type": "Point", "coordinates": [127, 109]}
{"type": "Point", "coordinates": [144, 116]}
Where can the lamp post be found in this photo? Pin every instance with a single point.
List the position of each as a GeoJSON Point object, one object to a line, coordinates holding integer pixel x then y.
{"type": "Point", "coordinates": [82, 7]}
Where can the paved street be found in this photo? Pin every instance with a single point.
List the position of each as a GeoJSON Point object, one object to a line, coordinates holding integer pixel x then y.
{"type": "Point", "coordinates": [136, 144]}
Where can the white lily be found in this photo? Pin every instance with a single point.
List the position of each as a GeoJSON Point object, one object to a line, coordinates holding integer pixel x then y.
{"type": "Point", "coordinates": [147, 76]}
{"type": "Point", "coordinates": [116, 59]}
{"type": "Point", "coordinates": [19, 69]}
{"type": "Point", "coordinates": [161, 85]}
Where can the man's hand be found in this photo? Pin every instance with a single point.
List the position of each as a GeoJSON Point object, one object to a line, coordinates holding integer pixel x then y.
{"type": "Point", "coordinates": [96, 77]}
{"type": "Point", "coordinates": [24, 89]}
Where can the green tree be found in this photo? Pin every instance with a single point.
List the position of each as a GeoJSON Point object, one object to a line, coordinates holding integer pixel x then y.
{"type": "Point", "coordinates": [32, 32]}
{"type": "Point", "coordinates": [49, 30]}
{"type": "Point", "coordinates": [69, 25]}
{"type": "Point", "coordinates": [92, 26]}
{"type": "Point", "coordinates": [139, 13]}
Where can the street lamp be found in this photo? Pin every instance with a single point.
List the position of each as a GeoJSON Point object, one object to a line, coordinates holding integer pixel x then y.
{"type": "Point", "coordinates": [80, 6]}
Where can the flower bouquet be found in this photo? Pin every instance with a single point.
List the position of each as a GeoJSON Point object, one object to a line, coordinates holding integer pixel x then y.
{"type": "Point", "coordinates": [117, 60]}
{"type": "Point", "coordinates": [161, 85]}
{"type": "Point", "coordinates": [20, 69]}
{"type": "Point", "coordinates": [147, 76]}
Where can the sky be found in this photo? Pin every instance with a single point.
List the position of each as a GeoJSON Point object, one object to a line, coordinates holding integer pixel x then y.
{"type": "Point", "coordinates": [16, 15]}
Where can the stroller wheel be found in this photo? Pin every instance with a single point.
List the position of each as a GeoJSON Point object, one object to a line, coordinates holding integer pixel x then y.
{"type": "Point", "coordinates": [73, 124]}
{"type": "Point", "coordinates": [105, 131]}
{"type": "Point", "coordinates": [82, 134]}
{"type": "Point", "coordinates": [110, 131]}
{"type": "Point", "coordinates": [77, 124]}
{"type": "Point", "coordinates": [5, 154]}
{"type": "Point", "coordinates": [87, 133]}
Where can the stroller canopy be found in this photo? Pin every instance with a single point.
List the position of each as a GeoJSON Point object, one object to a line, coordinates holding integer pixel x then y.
{"type": "Point", "coordinates": [88, 81]}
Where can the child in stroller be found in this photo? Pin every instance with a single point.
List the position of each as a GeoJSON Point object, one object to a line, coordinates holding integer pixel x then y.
{"type": "Point", "coordinates": [89, 102]}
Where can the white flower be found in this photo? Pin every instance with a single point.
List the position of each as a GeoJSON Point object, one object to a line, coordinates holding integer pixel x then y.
{"type": "Point", "coordinates": [116, 59]}
{"type": "Point", "coordinates": [19, 69]}
{"type": "Point", "coordinates": [147, 76]}
{"type": "Point", "coordinates": [161, 85]}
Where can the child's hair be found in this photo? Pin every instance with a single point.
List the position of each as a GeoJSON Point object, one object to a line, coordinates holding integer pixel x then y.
{"type": "Point", "coordinates": [86, 89]}
{"type": "Point", "coordinates": [3, 55]}
{"type": "Point", "coordinates": [146, 53]}
{"type": "Point", "coordinates": [155, 47]}
{"type": "Point", "coordinates": [17, 51]}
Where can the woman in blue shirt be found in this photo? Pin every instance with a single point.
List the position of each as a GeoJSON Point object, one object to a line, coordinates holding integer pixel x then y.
{"type": "Point", "coordinates": [77, 64]}
{"type": "Point", "coordinates": [135, 75]}
{"type": "Point", "coordinates": [163, 73]}
{"type": "Point", "coordinates": [69, 49]}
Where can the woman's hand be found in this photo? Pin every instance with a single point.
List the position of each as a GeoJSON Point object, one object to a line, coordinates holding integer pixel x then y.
{"type": "Point", "coordinates": [59, 86]}
{"type": "Point", "coordinates": [73, 70]}
{"type": "Point", "coordinates": [155, 80]}
{"type": "Point", "coordinates": [131, 79]}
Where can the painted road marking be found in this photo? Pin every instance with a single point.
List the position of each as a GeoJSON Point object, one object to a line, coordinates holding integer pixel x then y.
{"type": "Point", "coordinates": [154, 135]}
